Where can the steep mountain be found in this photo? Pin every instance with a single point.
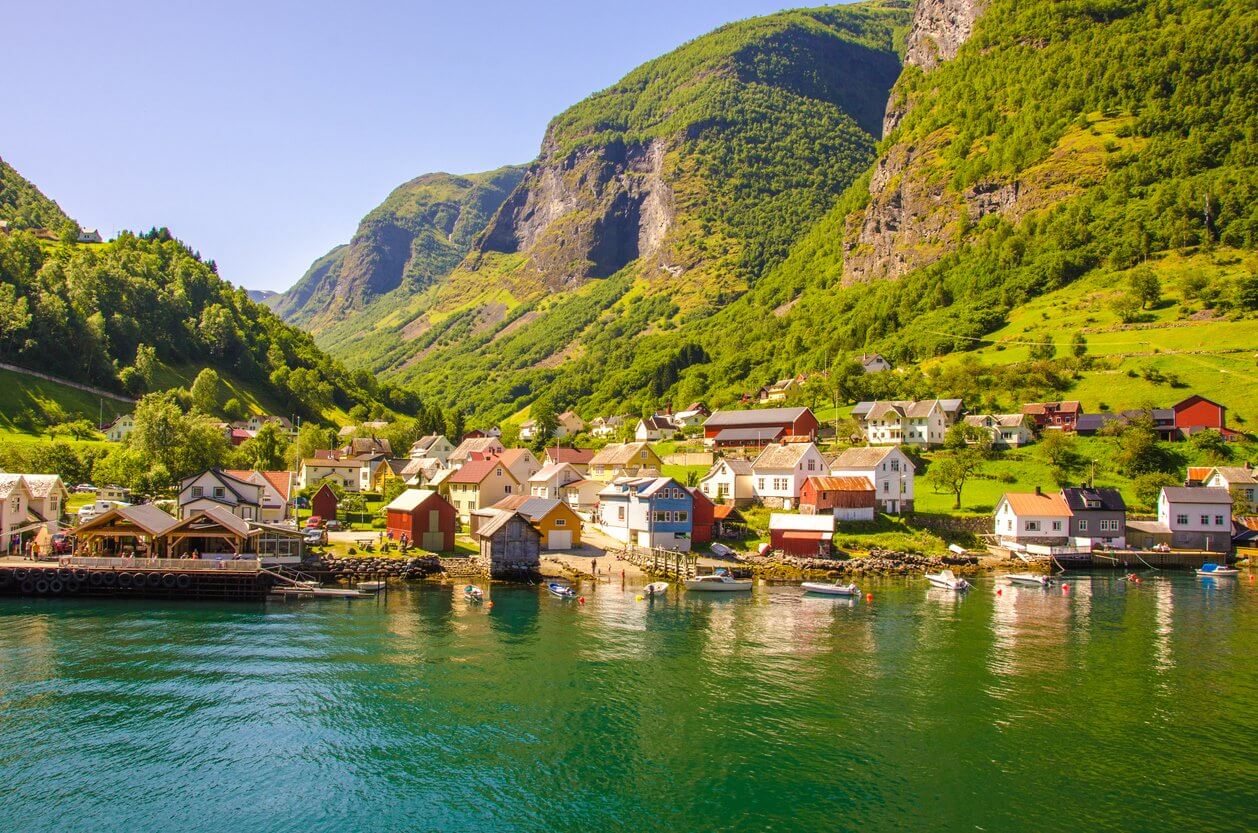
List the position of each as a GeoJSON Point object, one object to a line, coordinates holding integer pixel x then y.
{"type": "Point", "coordinates": [262, 296]}
{"type": "Point", "coordinates": [145, 312]}
{"type": "Point", "coordinates": [668, 194]}
{"type": "Point", "coordinates": [24, 206]}
{"type": "Point", "coordinates": [721, 219]}
{"type": "Point", "coordinates": [417, 235]}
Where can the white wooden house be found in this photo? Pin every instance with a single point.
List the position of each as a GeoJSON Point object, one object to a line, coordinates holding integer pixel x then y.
{"type": "Point", "coordinates": [780, 470]}
{"type": "Point", "coordinates": [890, 470]}
{"type": "Point", "coordinates": [729, 481]}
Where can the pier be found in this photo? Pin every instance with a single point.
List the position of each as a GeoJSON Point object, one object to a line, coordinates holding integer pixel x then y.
{"type": "Point", "coordinates": [147, 578]}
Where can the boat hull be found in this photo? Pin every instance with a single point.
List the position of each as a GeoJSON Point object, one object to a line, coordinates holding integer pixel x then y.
{"type": "Point", "coordinates": [1029, 580]}
{"type": "Point", "coordinates": [831, 589]}
{"type": "Point", "coordinates": [1228, 572]}
{"type": "Point", "coordinates": [717, 586]}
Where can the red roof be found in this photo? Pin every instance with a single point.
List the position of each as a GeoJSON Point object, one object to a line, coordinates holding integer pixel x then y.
{"type": "Point", "coordinates": [474, 471]}
{"type": "Point", "coordinates": [281, 480]}
{"type": "Point", "coordinates": [724, 511]}
{"type": "Point", "coordinates": [576, 456]}
{"type": "Point", "coordinates": [845, 483]}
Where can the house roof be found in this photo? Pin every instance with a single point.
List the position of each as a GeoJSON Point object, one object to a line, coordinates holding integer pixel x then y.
{"type": "Point", "coordinates": [146, 516]}
{"type": "Point", "coordinates": [828, 483]}
{"type": "Point", "coordinates": [725, 512]}
{"type": "Point", "coordinates": [1066, 406]}
{"type": "Point", "coordinates": [533, 508]}
{"type": "Point", "coordinates": [872, 358]}
{"type": "Point", "coordinates": [757, 435]}
{"type": "Point", "coordinates": [576, 456]}
{"type": "Point", "coordinates": [1232, 474]}
{"type": "Point", "coordinates": [218, 515]}
{"type": "Point", "coordinates": [618, 454]}
{"type": "Point", "coordinates": [43, 485]}
{"type": "Point", "coordinates": [1197, 494]}
{"type": "Point", "coordinates": [426, 442]}
{"type": "Point", "coordinates": [498, 521]}
{"type": "Point", "coordinates": [904, 407]}
{"type": "Point", "coordinates": [781, 456]}
{"type": "Point", "coordinates": [1199, 472]}
{"type": "Point", "coordinates": [1193, 400]}
{"type": "Point", "coordinates": [230, 481]}
{"type": "Point", "coordinates": [756, 416]}
{"type": "Point", "coordinates": [801, 523]}
{"type": "Point", "coordinates": [865, 457]}
{"type": "Point", "coordinates": [511, 456]}
{"type": "Point", "coordinates": [281, 481]}
{"type": "Point", "coordinates": [410, 500]}
{"type": "Point", "coordinates": [658, 422]}
{"type": "Point", "coordinates": [330, 463]}
{"type": "Point", "coordinates": [476, 444]}
{"type": "Point", "coordinates": [474, 471]}
{"type": "Point", "coordinates": [1032, 503]}
{"type": "Point", "coordinates": [740, 468]}
{"type": "Point", "coordinates": [1001, 420]}
{"type": "Point", "coordinates": [549, 470]}
{"type": "Point", "coordinates": [1077, 499]}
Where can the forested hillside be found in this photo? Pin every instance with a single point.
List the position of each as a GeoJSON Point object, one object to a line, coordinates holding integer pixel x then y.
{"type": "Point", "coordinates": [1064, 139]}
{"type": "Point", "coordinates": [23, 206]}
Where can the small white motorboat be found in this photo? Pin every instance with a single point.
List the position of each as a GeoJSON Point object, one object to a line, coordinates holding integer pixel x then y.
{"type": "Point", "coordinates": [947, 580]}
{"type": "Point", "coordinates": [720, 583]}
{"type": "Point", "coordinates": [1032, 579]}
{"type": "Point", "coordinates": [835, 589]}
{"type": "Point", "coordinates": [655, 588]}
{"type": "Point", "coordinates": [1212, 570]}
{"type": "Point", "coordinates": [474, 593]}
{"type": "Point", "coordinates": [370, 586]}
{"type": "Point", "coordinates": [563, 591]}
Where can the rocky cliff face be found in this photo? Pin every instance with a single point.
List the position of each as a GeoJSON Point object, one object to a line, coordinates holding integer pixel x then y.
{"type": "Point", "coordinates": [586, 213]}
{"type": "Point", "coordinates": [912, 218]}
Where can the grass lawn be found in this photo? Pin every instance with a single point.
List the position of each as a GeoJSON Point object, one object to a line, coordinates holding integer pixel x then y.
{"type": "Point", "coordinates": [22, 393]}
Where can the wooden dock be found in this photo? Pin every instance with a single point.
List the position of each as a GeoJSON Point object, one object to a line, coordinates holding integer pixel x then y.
{"type": "Point", "coordinates": [657, 562]}
{"type": "Point", "coordinates": [243, 581]}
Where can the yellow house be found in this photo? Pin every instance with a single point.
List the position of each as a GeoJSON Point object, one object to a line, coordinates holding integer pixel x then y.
{"type": "Point", "coordinates": [479, 484]}
{"type": "Point", "coordinates": [624, 460]}
{"type": "Point", "coordinates": [385, 471]}
{"type": "Point", "coordinates": [558, 524]}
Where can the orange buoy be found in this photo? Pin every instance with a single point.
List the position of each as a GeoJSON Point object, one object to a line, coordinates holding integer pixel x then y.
{"type": "Point", "coordinates": [1065, 588]}
{"type": "Point", "coordinates": [489, 604]}
{"type": "Point", "coordinates": [581, 599]}
{"type": "Point", "coordinates": [869, 597]}
{"type": "Point", "coordinates": [1000, 592]}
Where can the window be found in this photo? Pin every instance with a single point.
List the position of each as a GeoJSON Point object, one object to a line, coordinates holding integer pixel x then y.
{"type": "Point", "coordinates": [500, 472]}
{"type": "Point", "coordinates": [895, 465]}
{"type": "Point", "coordinates": [682, 517]}
{"type": "Point", "coordinates": [54, 503]}
{"type": "Point", "coordinates": [760, 483]}
{"type": "Point", "coordinates": [886, 485]}
{"type": "Point", "coordinates": [218, 491]}
{"type": "Point", "coordinates": [812, 465]}
{"type": "Point", "coordinates": [620, 513]}
{"type": "Point", "coordinates": [561, 521]}
{"type": "Point", "coordinates": [1056, 526]}
{"type": "Point", "coordinates": [16, 504]}
{"type": "Point", "coordinates": [1032, 526]}
{"type": "Point", "coordinates": [642, 454]}
{"type": "Point", "coordinates": [507, 488]}
{"type": "Point", "coordinates": [1182, 520]}
{"type": "Point", "coordinates": [197, 491]}
{"type": "Point", "coordinates": [1218, 520]}
{"type": "Point", "coordinates": [1083, 526]}
{"type": "Point", "coordinates": [1205, 520]}
{"type": "Point", "coordinates": [659, 516]}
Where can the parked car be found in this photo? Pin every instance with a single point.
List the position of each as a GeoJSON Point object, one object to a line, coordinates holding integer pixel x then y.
{"type": "Point", "coordinates": [314, 537]}
{"type": "Point", "coordinates": [62, 543]}
{"type": "Point", "coordinates": [314, 522]}
{"type": "Point", "coordinates": [333, 526]}
{"type": "Point", "coordinates": [85, 489]}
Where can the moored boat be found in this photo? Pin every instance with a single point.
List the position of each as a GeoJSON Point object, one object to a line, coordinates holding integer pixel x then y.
{"type": "Point", "coordinates": [563, 591]}
{"type": "Point", "coordinates": [719, 583]}
{"type": "Point", "coordinates": [835, 589]}
{"type": "Point", "coordinates": [1212, 570]}
{"type": "Point", "coordinates": [473, 593]}
{"type": "Point", "coordinates": [947, 580]}
{"type": "Point", "coordinates": [655, 588]}
{"type": "Point", "coordinates": [1032, 579]}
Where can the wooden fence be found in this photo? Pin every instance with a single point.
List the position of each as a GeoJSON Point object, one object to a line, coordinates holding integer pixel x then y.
{"type": "Point", "coordinates": [670, 563]}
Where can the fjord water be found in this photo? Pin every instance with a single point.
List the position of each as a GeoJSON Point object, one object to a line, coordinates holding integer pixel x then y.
{"type": "Point", "coordinates": [1110, 706]}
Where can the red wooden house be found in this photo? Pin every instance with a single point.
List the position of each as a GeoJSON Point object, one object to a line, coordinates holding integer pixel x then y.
{"type": "Point", "coordinates": [424, 517]}
{"type": "Point", "coordinates": [1060, 415]}
{"type": "Point", "coordinates": [701, 517]}
{"type": "Point", "coordinates": [759, 426]}
{"type": "Point", "coordinates": [848, 498]}
{"type": "Point", "coordinates": [324, 503]}
{"type": "Point", "coordinates": [1196, 413]}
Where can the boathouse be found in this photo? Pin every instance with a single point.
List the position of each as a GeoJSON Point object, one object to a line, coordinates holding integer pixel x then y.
{"type": "Point", "coordinates": [136, 531]}
{"type": "Point", "coordinates": [509, 545]}
{"type": "Point", "coordinates": [324, 503]}
{"type": "Point", "coordinates": [808, 536]}
{"type": "Point", "coordinates": [426, 519]}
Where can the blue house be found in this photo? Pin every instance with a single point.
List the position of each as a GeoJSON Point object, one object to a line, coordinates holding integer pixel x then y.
{"type": "Point", "coordinates": [648, 512]}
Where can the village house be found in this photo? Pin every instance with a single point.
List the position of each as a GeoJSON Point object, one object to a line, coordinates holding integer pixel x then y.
{"type": "Point", "coordinates": [780, 470]}
{"type": "Point", "coordinates": [874, 363]}
{"type": "Point", "coordinates": [1163, 420]}
{"type": "Point", "coordinates": [385, 472]}
{"type": "Point", "coordinates": [509, 545]}
{"type": "Point", "coordinates": [1196, 413]}
{"type": "Point", "coordinates": [1098, 516]}
{"type": "Point", "coordinates": [556, 522]}
{"type": "Point", "coordinates": [582, 495]}
{"type": "Point", "coordinates": [324, 503]}
{"type": "Point", "coordinates": [426, 519]}
{"type": "Point", "coordinates": [758, 427]}
{"type": "Point", "coordinates": [702, 518]}
{"type": "Point", "coordinates": [805, 536]}
{"type": "Point", "coordinates": [549, 481]}
{"type": "Point", "coordinates": [654, 428]}
{"type": "Point", "coordinates": [346, 473]}
{"type": "Point", "coordinates": [729, 481]}
{"type": "Point", "coordinates": [1004, 430]}
{"type": "Point", "coordinates": [118, 430]}
{"type": "Point", "coordinates": [47, 498]}
{"type": "Point", "coordinates": [1032, 518]}
{"type": "Point", "coordinates": [478, 448]}
{"type": "Point", "coordinates": [277, 489]}
{"type": "Point", "coordinates": [779, 390]}
{"type": "Point", "coordinates": [482, 433]}
{"type": "Point", "coordinates": [370, 470]}
{"type": "Point", "coordinates": [579, 458]}
{"type": "Point", "coordinates": [478, 484]}
{"type": "Point", "coordinates": [15, 516]}
{"type": "Point", "coordinates": [566, 424]}
{"type": "Point", "coordinates": [521, 463]}
{"type": "Point", "coordinates": [648, 512]}
{"type": "Point", "coordinates": [1198, 518]}
{"type": "Point", "coordinates": [1197, 475]}
{"type": "Point", "coordinates": [215, 487]}
{"type": "Point", "coordinates": [848, 498]}
{"type": "Point", "coordinates": [363, 447]}
{"type": "Point", "coordinates": [693, 414]}
{"type": "Point", "coordinates": [421, 471]}
{"type": "Point", "coordinates": [624, 460]}
{"type": "Point", "coordinates": [1239, 480]}
{"type": "Point", "coordinates": [255, 423]}
{"type": "Point", "coordinates": [432, 446]}
{"type": "Point", "coordinates": [604, 427]}
{"type": "Point", "coordinates": [922, 424]}
{"type": "Point", "coordinates": [90, 235]}
{"type": "Point", "coordinates": [887, 467]}
{"type": "Point", "coordinates": [1061, 416]}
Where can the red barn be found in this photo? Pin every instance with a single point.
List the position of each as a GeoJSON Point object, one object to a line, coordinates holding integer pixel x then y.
{"type": "Point", "coordinates": [424, 517]}
{"type": "Point", "coordinates": [759, 426]}
{"type": "Point", "coordinates": [701, 517]}
{"type": "Point", "coordinates": [1196, 413]}
{"type": "Point", "coordinates": [324, 503]}
{"type": "Point", "coordinates": [847, 498]}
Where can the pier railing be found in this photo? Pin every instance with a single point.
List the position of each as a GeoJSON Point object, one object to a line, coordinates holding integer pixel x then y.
{"type": "Point", "coordinates": [670, 563]}
{"type": "Point", "coordinates": [208, 564]}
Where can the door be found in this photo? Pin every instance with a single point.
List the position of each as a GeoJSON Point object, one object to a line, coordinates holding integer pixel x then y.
{"type": "Point", "coordinates": [433, 541]}
{"type": "Point", "coordinates": [559, 539]}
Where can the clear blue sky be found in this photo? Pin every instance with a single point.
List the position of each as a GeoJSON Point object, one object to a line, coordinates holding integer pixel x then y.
{"type": "Point", "coordinates": [260, 132]}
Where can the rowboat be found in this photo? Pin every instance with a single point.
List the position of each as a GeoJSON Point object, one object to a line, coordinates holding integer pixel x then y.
{"type": "Point", "coordinates": [835, 589]}
{"type": "Point", "coordinates": [473, 593]}
{"type": "Point", "coordinates": [1033, 579]}
{"type": "Point", "coordinates": [563, 591]}
{"type": "Point", "coordinates": [1212, 570]}
{"type": "Point", "coordinates": [717, 584]}
{"type": "Point", "coordinates": [947, 580]}
{"type": "Point", "coordinates": [656, 588]}
{"type": "Point", "coordinates": [370, 586]}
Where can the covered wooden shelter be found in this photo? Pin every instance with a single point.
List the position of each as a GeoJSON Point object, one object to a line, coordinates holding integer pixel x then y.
{"type": "Point", "coordinates": [212, 532]}
{"type": "Point", "coordinates": [137, 530]}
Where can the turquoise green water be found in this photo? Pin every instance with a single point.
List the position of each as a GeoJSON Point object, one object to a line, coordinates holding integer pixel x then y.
{"type": "Point", "coordinates": [1109, 707]}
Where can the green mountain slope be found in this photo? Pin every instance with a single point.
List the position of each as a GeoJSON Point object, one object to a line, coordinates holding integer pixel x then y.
{"type": "Point", "coordinates": [658, 200]}
{"type": "Point", "coordinates": [417, 235]}
{"type": "Point", "coordinates": [24, 206]}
